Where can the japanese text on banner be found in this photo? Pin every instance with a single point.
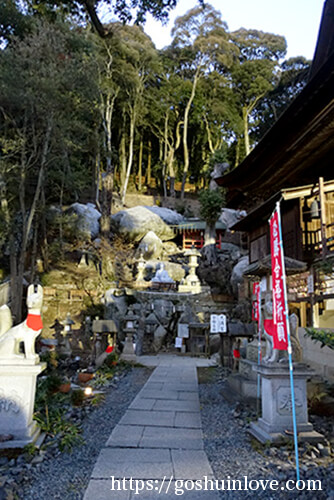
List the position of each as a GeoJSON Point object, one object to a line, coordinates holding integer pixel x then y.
{"type": "Point", "coordinates": [280, 337]}
{"type": "Point", "coordinates": [255, 308]}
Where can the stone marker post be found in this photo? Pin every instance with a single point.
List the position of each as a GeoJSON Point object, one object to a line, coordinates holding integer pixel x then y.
{"type": "Point", "coordinates": [18, 373]}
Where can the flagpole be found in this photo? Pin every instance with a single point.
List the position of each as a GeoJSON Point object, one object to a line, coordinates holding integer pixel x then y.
{"type": "Point", "coordinates": [259, 351]}
{"type": "Point", "coordinates": [295, 436]}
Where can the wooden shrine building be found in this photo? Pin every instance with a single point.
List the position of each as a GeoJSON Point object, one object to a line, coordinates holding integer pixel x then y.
{"type": "Point", "coordinates": [294, 162]}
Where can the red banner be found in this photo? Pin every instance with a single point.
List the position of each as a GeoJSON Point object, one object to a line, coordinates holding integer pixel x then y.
{"type": "Point", "coordinates": [280, 336]}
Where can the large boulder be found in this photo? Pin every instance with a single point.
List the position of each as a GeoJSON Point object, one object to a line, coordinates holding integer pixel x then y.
{"type": "Point", "coordinates": [134, 223]}
{"type": "Point", "coordinates": [150, 246]}
{"type": "Point", "coordinates": [232, 251]}
{"type": "Point", "coordinates": [170, 248]}
{"type": "Point", "coordinates": [167, 215]}
{"type": "Point", "coordinates": [87, 219]}
{"type": "Point", "coordinates": [237, 273]}
{"type": "Point", "coordinates": [229, 216]}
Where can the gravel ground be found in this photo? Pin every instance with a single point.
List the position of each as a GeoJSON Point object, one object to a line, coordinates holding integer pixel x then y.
{"type": "Point", "coordinates": [66, 475]}
{"type": "Point", "coordinates": [233, 454]}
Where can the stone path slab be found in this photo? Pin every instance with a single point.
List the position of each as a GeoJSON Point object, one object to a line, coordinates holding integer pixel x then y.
{"type": "Point", "coordinates": [176, 405]}
{"type": "Point", "coordinates": [191, 464]}
{"type": "Point", "coordinates": [153, 418]}
{"type": "Point", "coordinates": [126, 436]}
{"type": "Point", "coordinates": [166, 437]}
{"type": "Point", "coordinates": [158, 440]}
{"type": "Point", "coordinates": [188, 420]}
{"type": "Point", "coordinates": [102, 490]}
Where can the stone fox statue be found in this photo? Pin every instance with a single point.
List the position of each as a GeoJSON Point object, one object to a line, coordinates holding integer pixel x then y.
{"type": "Point", "coordinates": [26, 332]}
{"type": "Point", "coordinates": [273, 355]}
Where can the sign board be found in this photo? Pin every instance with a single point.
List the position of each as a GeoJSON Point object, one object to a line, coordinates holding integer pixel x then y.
{"type": "Point", "coordinates": [263, 284]}
{"type": "Point", "coordinates": [218, 323]}
{"type": "Point", "coordinates": [310, 283]}
{"type": "Point", "coordinates": [183, 330]}
{"type": "Point", "coordinates": [178, 342]}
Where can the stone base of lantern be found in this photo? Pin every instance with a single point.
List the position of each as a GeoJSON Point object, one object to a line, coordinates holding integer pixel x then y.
{"type": "Point", "coordinates": [276, 423]}
{"type": "Point", "coordinates": [17, 399]}
{"type": "Point", "coordinates": [128, 353]}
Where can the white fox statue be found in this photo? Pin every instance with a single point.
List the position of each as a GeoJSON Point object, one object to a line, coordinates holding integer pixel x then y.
{"type": "Point", "coordinates": [26, 332]}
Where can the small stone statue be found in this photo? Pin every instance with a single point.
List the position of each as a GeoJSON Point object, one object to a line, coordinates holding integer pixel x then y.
{"type": "Point", "coordinates": [162, 276]}
{"type": "Point", "coordinates": [272, 355]}
{"type": "Point", "coordinates": [297, 351]}
{"type": "Point", "coordinates": [26, 332]}
{"type": "Point", "coordinates": [58, 328]}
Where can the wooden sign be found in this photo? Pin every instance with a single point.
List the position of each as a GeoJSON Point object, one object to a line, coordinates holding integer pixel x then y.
{"type": "Point", "coordinates": [218, 323]}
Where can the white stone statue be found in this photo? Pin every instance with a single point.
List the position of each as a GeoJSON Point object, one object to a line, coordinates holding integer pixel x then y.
{"type": "Point", "coordinates": [162, 276]}
{"type": "Point", "coordinates": [25, 332]}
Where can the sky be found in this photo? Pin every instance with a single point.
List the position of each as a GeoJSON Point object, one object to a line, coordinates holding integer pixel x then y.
{"type": "Point", "coordinates": [297, 20]}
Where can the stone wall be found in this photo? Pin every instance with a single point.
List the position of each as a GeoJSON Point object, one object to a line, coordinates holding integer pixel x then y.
{"type": "Point", "coordinates": [321, 359]}
{"type": "Point", "coordinates": [60, 300]}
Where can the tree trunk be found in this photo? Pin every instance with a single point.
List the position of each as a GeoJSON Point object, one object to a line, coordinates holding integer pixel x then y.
{"type": "Point", "coordinates": [149, 163]}
{"type": "Point", "coordinates": [45, 245]}
{"type": "Point", "coordinates": [209, 250]}
{"type": "Point", "coordinates": [165, 158]}
{"type": "Point", "coordinates": [34, 253]}
{"type": "Point", "coordinates": [185, 133]}
{"type": "Point", "coordinates": [208, 132]}
{"type": "Point", "coordinates": [17, 259]}
{"type": "Point", "coordinates": [107, 185]}
{"type": "Point", "coordinates": [123, 160]}
{"type": "Point", "coordinates": [108, 178]}
{"type": "Point", "coordinates": [140, 165]}
{"type": "Point", "coordinates": [237, 152]}
{"type": "Point", "coordinates": [130, 159]}
{"type": "Point", "coordinates": [171, 169]}
{"type": "Point", "coordinates": [97, 179]}
{"type": "Point", "coordinates": [246, 131]}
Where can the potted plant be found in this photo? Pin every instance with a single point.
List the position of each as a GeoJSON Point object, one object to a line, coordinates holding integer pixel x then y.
{"type": "Point", "coordinates": [65, 386]}
{"type": "Point", "coordinates": [85, 377]}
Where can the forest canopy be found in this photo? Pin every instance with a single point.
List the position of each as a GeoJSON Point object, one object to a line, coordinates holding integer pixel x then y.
{"type": "Point", "coordinates": [84, 115]}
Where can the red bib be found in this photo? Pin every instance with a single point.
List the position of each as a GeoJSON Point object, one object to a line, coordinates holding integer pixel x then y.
{"type": "Point", "coordinates": [269, 326]}
{"type": "Point", "coordinates": [34, 321]}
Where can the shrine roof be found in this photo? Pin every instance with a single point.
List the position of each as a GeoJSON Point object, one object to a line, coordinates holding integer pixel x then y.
{"type": "Point", "coordinates": [263, 210]}
{"type": "Point", "coordinates": [263, 267]}
{"type": "Point", "coordinates": [196, 225]}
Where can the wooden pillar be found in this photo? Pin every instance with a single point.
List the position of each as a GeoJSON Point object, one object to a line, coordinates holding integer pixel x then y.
{"type": "Point", "coordinates": [323, 217]}
{"type": "Point", "coordinates": [303, 321]}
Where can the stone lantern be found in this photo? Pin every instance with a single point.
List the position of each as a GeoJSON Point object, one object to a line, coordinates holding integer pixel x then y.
{"type": "Point", "coordinates": [151, 323]}
{"type": "Point", "coordinates": [128, 353]}
{"type": "Point", "coordinates": [141, 267]}
{"type": "Point", "coordinates": [68, 324]}
{"type": "Point", "coordinates": [191, 283]}
{"type": "Point", "coordinates": [64, 345]}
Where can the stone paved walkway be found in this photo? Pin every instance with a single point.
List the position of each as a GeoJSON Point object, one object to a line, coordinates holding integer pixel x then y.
{"type": "Point", "coordinates": [158, 440]}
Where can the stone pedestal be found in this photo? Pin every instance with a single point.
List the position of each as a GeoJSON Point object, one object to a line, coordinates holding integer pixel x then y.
{"type": "Point", "coordinates": [276, 423]}
{"type": "Point", "coordinates": [17, 398]}
{"type": "Point", "coordinates": [244, 383]}
{"type": "Point", "coordinates": [128, 353]}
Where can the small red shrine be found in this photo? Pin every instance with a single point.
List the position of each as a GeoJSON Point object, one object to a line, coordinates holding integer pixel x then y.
{"type": "Point", "coordinates": [193, 231]}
